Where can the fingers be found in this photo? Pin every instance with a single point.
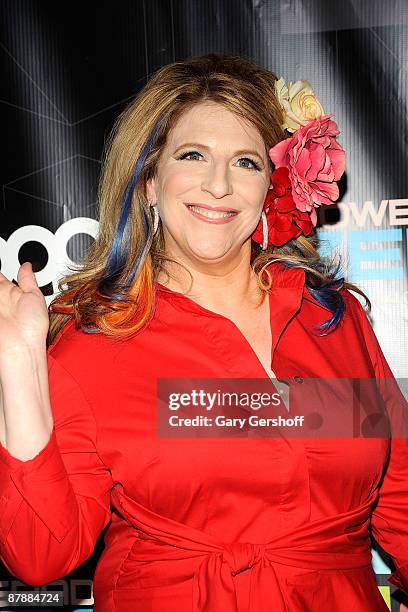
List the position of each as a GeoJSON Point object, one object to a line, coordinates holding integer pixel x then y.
{"type": "Point", "coordinates": [26, 277]}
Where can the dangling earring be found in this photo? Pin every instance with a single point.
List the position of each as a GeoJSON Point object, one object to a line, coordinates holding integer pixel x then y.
{"type": "Point", "coordinates": [156, 219]}
{"type": "Point", "coordinates": [155, 215]}
{"type": "Point", "coordinates": [265, 231]}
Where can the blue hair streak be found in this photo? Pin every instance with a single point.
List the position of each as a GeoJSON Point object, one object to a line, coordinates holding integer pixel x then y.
{"type": "Point", "coordinates": [329, 297]}
{"type": "Point", "coordinates": [117, 260]}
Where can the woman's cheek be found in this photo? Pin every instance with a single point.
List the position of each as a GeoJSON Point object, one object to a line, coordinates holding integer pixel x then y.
{"type": "Point", "coordinates": [180, 181]}
{"type": "Point", "coordinates": [253, 195]}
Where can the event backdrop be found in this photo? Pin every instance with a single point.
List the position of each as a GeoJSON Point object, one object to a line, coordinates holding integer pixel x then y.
{"type": "Point", "coordinates": [69, 68]}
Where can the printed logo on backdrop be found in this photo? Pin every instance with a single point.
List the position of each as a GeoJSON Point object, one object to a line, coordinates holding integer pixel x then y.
{"type": "Point", "coordinates": [54, 244]}
{"type": "Point", "coordinates": [58, 204]}
{"type": "Point", "coordinates": [373, 239]}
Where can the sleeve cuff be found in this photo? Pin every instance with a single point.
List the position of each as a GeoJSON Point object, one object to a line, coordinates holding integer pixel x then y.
{"type": "Point", "coordinates": [27, 466]}
{"type": "Point", "coordinates": [400, 577]}
{"type": "Point", "coordinates": [33, 480]}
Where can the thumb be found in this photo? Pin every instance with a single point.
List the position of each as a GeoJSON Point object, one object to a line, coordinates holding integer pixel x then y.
{"type": "Point", "coordinates": [26, 278]}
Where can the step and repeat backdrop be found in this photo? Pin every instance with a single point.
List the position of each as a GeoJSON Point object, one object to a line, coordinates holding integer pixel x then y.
{"type": "Point", "coordinates": [68, 70]}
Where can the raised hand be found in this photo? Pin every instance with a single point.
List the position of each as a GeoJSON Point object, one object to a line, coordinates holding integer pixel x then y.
{"type": "Point", "coordinates": [24, 320]}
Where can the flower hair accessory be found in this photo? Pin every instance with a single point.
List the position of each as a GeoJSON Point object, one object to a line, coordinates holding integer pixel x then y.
{"type": "Point", "coordinates": [307, 166]}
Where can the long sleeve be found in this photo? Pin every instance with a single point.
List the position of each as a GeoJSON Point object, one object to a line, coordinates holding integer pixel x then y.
{"type": "Point", "coordinates": [54, 506]}
{"type": "Point", "coordinates": [389, 521]}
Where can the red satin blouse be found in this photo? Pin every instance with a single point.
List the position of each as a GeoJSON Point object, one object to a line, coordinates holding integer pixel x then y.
{"type": "Point", "coordinates": [226, 524]}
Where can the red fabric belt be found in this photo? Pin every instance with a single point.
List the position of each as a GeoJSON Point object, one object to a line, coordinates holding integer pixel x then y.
{"type": "Point", "coordinates": [338, 542]}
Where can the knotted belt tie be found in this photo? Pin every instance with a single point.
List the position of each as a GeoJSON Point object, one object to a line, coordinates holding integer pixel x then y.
{"type": "Point", "coordinates": [338, 542]}
{"type": "Point", "coordinates": [242, 556]}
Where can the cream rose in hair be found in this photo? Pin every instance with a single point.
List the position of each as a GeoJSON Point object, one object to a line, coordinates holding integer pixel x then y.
{"type": "Point", "coordinates": [299, 103]}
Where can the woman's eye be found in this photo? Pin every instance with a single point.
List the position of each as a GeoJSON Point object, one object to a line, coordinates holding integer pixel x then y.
{"type": "Point", "coordinates": [186, 155]}
{"type": "Point", "coordinates": [251, 161]}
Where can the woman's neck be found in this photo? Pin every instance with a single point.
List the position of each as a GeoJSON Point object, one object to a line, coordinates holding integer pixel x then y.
{"type": "Point", "coordinates": [232, 292]}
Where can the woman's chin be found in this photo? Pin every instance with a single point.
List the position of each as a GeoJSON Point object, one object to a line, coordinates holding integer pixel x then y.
{"type": "Point", "coordinates": [209, 252]}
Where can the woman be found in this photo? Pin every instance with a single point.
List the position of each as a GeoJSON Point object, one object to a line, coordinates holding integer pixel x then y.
{"type": "Point", "coordinates": [220, 279]}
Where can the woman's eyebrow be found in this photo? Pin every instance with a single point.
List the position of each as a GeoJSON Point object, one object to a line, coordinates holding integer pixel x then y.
{"type": "Point", "coordinates": [202, 146]}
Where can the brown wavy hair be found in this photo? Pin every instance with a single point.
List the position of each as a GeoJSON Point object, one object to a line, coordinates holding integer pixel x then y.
{"type": "Point", "coordinates": [119, 302]}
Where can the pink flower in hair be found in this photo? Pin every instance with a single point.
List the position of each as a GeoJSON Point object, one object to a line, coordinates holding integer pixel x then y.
{"type": "Point", "coordinates": [315, 161]}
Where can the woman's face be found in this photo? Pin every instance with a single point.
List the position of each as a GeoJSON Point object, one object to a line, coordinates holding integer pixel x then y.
{"type": "Point", "coordinates": [210, 186]}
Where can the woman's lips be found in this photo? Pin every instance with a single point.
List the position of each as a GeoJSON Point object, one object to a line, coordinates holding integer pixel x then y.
{"type": "Point", "coordinates": [211, 216]}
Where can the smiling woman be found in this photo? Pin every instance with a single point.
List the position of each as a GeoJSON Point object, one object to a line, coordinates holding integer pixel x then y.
{"type": "Point", "coordinates": [205, 268]}
{"type": "Point", "coordinates": [197, 138]}
{"type": "Point", "coordinates": [210, 199]}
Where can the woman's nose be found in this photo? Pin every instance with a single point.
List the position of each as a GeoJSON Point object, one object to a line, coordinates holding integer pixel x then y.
{"type": "Point", "coordinates": [217, 181]}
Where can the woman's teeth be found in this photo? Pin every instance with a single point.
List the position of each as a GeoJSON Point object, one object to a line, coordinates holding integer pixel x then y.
{"type": "Point", "coordinates": [211, 214]}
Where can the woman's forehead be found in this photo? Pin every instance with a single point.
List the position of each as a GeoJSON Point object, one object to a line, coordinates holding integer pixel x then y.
{"type": "Point", "coordinates": [211, 123]}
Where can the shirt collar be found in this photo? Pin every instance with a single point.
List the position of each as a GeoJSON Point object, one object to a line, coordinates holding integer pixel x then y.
{"type": "Point", "coordinates": [283, 277]}
{"type": "Point", "coordinates": [286, 294]}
